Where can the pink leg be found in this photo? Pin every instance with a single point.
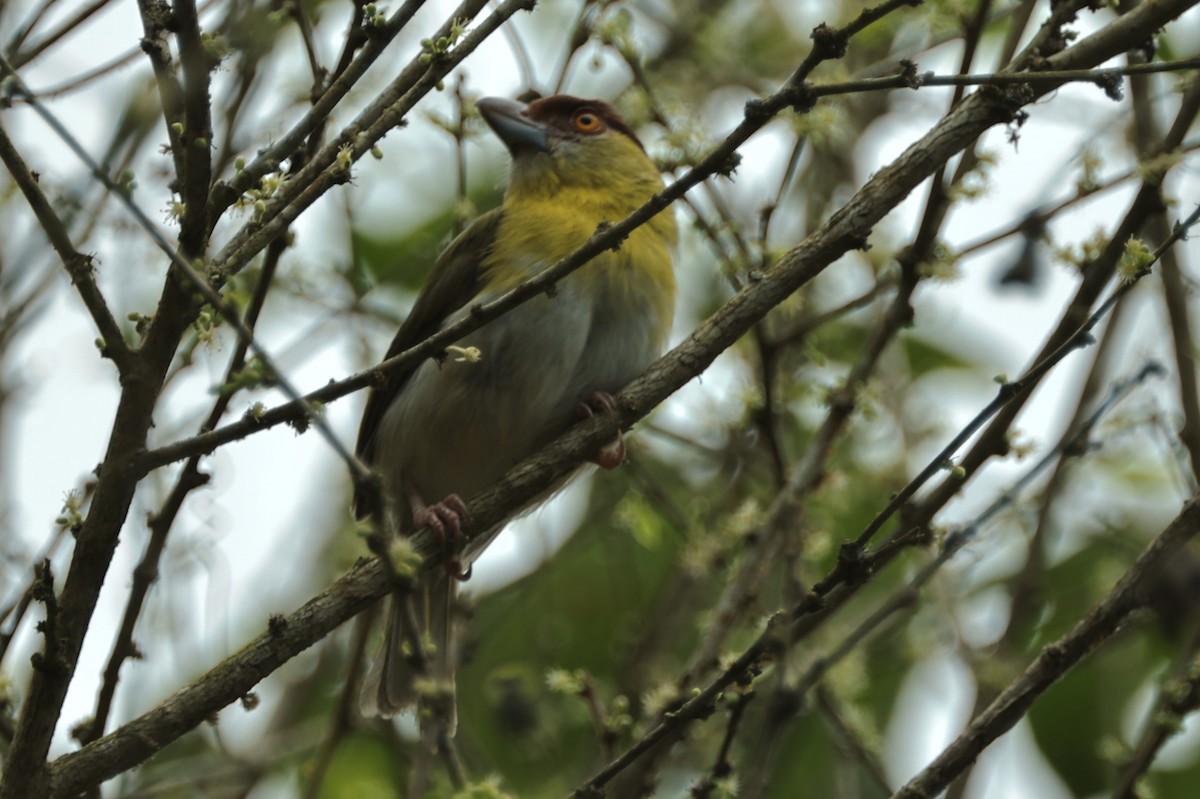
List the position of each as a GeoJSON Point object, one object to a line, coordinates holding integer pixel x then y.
{"type": "Point", "coordinates": [445, 519]}
{"type": "Point", "coordinates": [612, 455]}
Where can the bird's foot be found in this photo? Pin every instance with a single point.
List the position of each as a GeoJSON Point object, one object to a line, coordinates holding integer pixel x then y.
{"type": "Point", "coordinates": [611, 455]}
{"type": "Point", "coordinates": [444, 519]}
{"type": "Point", "coordinates": [455, 569]}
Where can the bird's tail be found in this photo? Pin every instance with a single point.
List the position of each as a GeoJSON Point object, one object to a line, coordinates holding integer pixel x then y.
{"type": "Point", "coordinates": [400, 678]}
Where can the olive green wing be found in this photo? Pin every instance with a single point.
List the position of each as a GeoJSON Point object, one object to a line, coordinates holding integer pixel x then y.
{"type": "Point", "coordinates": [453, 282]}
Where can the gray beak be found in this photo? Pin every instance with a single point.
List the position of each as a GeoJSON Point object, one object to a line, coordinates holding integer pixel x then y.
{"type": "Point", "coordinates": [517, 131]}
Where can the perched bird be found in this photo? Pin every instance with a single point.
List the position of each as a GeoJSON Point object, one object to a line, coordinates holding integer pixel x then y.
{"type": "Point", "coordinates": [449, 427]}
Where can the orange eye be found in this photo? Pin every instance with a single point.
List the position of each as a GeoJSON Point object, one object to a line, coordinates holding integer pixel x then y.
{"type": "Point", "coordinates": [587, 121]}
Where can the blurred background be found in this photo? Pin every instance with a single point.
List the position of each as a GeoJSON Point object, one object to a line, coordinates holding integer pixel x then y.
{"type": "Point", "coordinates": [594, 613]}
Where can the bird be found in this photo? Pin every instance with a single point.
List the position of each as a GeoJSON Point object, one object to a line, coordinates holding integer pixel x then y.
{"type": "Point", "coordinates": [450, 426]}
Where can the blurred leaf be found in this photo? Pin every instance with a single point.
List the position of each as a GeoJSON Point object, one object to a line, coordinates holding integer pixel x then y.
{"type": "Point", "coordinates": [839, 341]}
{"type": "Point", "coordinates": [361, 769]}
{"type": "Point", "coordinates": [805, 765]}
{"type": "Point", "coordinates": [925, 356]}
{"type": "Point", "coordinates": [1067, 721]}
{"type": "Point", "coordinates": [1176, 784]}
{"type": "Point", "coordinates": [406, 258]}
{"type": "Point", "coordinates": [1072, 586]}
{"type": "Point", "coordinates": [582, 610]}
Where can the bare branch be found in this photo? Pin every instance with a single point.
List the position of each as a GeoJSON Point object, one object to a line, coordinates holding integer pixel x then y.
{"type": "Point", "coordinates": [846, 229]}
{"type": "Point", "coordinates": [78, 265]}
{"type": "Point", "coordinates": [286, 637]}
{"type": "Point", "coordinates": [317, 116]}
{"type": "Point", "coordinates": [330, 165]}
{"type": "Point", "coordinates": [47, 41]}
{"type": "Point", "coordinates": [906, 597]}
{"type": "Point", "coordinates": [1105, 78]}
{"type": "Point", "coordinates": [1178, 696]}
{"type": "Point", "coordinates": [1056, 659]}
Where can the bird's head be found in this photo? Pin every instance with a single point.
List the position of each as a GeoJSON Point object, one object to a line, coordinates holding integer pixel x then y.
{"type": "Point", "coordinates": [567, 143]}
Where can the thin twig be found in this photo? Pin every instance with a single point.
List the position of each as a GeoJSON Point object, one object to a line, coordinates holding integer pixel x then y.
{"type": "Point", "coordinates": [796, 332]}
{"type": "Point", "coordinates": [1056, 659]}
{"type": "Point", "coordinates": [1097, 274]}
{"type": "Point", "coordinates": [78, 265]}
{"type": "Point", "coordinates": [24, 56]}
{"type": "Point", "coordinates": [1175, 296]}
{"type": "Point", "coordinates": [190, 478]}
{"type": "Point", "coordinates": [57, 90]}
{"type": "Point", "coordinates": [12, 614]}
{"type": "Point", "coordinates": [605, 734]}
{"type": "Point", "coordinates": [299, 14]}
{"type": "Point", "coordinates": [910, 79]}
{"type": "Point", "coordinates": [198, 282]}
{"type": "Point", "coordinates": [331, 165]}
{"type": "Point", "coordinates": [136, 740]}
{"type": "Point", "coordinates": [852, 741]}
{"type": "Point", "coordinates": [269, 159]}
{"type": "Point", "coordinates": [722, 767]}
{"type": "Point", "coordinates": [851, 567]}
{"type": "Point", "coordinates": [721, 159]}
{"type": "Point", "coordinates": [1179, 695]}
{"type": "Point", "coordinates": [906, 597]}
{"type": "Point", "coordinates": [1081, 337]}
{"type": "Point", "coordinates": [805, 478]}
{"type": "Point", "coordinates": [25, 28]}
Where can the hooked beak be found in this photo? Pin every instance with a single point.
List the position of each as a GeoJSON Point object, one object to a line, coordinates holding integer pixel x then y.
{"type": "Point", "coordinates": [517, 131]}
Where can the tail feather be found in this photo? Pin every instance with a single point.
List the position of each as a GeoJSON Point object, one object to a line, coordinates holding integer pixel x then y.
{"type": "Point", "coordinates": [396, 680]}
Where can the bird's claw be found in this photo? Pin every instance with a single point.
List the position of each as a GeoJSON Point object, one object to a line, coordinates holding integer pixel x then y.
{"type": "Point", "coordinates": [445, 519]}
{"type": "Point", "coordinates": [611, 455]}
{"type": "Point", "coordinates": [455, 569]}
{"type": "Point", "coordinates": [598, 402]}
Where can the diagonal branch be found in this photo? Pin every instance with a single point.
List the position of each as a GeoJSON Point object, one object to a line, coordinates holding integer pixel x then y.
{"type": "Point", "coordinates": [24, 56]}
{"type": "Point", "coordinates": [193, 235]}
{"type": "Point", "coordinates": [1056, 659]}
{"type": "Point", "coordinates": [721, 160]}
{"type": "Point", "coordinates": [993, 440]}
{"type": "Point", "coordinates": [78, 265]}
{"type": "Point", "coordinates": [1106, 78]}
{"type": "Point", "coordinates": [145, 574]}
{"type": "Point", "coordinates": [330, 165]}
{"type": "Point", "coordinates": [136, 741]}
{"type": "Point", "coordinates": [905, 597]}
{"type": "Point", "coordinates": [347, 75]}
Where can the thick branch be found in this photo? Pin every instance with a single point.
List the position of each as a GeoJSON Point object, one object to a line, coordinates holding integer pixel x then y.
{"type": "Point", "coordinates": [197, 131]}
{"type": "Point", "coordinates": [137, 740]}
{"type": "Point", "coordinates": [223, 685]}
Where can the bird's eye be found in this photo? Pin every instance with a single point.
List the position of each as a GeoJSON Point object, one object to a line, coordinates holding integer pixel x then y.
{"type": "Point", "coordinates": [586, 122]}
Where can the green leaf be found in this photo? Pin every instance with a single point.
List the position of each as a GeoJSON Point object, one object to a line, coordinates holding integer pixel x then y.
{"type": "Point", "coordinates": [361, 769]}
{"type": "Point", "coordinates": [405, 259]}
{"type": "Point", "coordinates": [583, 610]}
{"type": "Point", "coordinates": [925, 356]}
